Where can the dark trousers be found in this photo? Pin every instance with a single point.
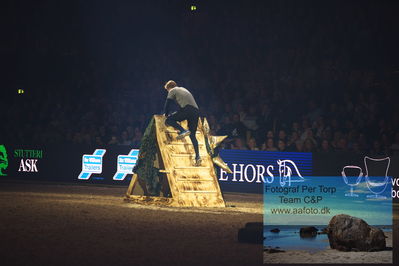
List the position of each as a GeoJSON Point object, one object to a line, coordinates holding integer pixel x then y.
{"type": "Point", "coordinates": [191, 114]}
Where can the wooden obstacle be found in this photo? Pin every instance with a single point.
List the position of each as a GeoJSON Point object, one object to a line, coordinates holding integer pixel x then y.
{"type": "Point", "coordinates": [190, 185]}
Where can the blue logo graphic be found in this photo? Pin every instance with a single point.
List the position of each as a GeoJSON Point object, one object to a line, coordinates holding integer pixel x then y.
{"type": "Point", "coordinates": [126, 164]}
{"type": "Point", "coordinates": [92, 164]}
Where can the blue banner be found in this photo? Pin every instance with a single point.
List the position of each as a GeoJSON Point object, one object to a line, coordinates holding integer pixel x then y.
{"type": "Point", "coordinates": [251, 169]}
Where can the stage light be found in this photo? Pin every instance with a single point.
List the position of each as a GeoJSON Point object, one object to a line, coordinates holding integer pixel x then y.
{"type": "Point", "coordinates": [21, 91]}
{"type": "Point", "coordinates": [193, 8]}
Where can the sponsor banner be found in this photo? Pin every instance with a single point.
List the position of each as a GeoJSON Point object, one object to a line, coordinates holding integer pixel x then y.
{"type": "Point", "coordinates": [3, 160]}
{"type": "Point", "coordinates": [67, 163]}
{"type": "Point", "coordinates": [105, 165]}
{"type": "Point", "coordinates": [92, 164]}
{"type": "Point", "coordinates": [113, 165]}
{"type": "Point", "coordinates": [251, 169]}
{"type": "Point", "coordinates": [21, 160]}
{"type": "Point", "coordinates": [126, 164]}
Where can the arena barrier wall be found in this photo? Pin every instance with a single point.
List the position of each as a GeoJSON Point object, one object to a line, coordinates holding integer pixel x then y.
{"type": "Point", "coordinates": [111, 165]}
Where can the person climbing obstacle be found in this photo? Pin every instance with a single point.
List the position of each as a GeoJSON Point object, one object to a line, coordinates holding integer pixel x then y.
{"type": "Point", "coordinates": [188, 111]}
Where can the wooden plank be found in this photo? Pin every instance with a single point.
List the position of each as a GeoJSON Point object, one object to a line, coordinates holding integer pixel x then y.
{"type": "Point", "coordinates": [182, 143]}
{"type": "Point", "coordinates": [192, 167]}
{"type": "Point", "coordinates": [193, 179]}
{"type": "Point", "coordinates": [186, 155]}
{"type": "Point", "coordinates": [196, 186]}
{"type": "Point", "coordinates": [132, 185]}
{"type": "Point", "coordinates": [189, 185]}
{"type": "Point", "coordinates": [164, 171]}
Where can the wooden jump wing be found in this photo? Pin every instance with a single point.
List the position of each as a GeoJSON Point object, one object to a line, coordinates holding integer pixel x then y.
{"type": "Point", "coordinates": [190, 185]}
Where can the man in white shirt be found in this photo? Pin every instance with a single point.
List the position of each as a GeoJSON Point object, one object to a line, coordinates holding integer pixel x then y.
{"type": "Point", "coordinates": [188, 111]}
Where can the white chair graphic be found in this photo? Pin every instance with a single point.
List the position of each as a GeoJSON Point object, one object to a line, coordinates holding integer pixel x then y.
{"type": "Point", "coordinates": [372, 184]}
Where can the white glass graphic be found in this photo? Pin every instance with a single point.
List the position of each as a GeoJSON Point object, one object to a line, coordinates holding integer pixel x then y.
{"type": "Point", "coordinates": [346, 179]}
{"type": "Point", "coordinates": [374, 183]}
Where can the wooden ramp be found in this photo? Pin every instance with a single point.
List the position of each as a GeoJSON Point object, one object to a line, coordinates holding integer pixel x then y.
{"type": "Point", "coordinates": [190, 185]}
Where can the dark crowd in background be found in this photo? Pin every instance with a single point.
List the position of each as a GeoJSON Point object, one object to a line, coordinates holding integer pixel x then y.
{"type": "Point", "coordinates": [296, 76]}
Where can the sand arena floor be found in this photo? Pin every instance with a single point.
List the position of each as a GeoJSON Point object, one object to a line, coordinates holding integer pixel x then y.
{"type": "Point", "coordinates": [68, 224]}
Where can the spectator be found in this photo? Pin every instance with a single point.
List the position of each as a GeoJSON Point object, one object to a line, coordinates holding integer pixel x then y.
{"type": "Point", "coordinates": [341, 145]}
{"type": "Point", "coordinates": [99, 142]}
{"type": "Point", "coordinates": [299, 146]}
{"type": "Point", "coordinates": [136, 140]}
{"type": "Point", "coordinates": [281, 145]}
{"type": "Point", "coordinates": [296, 128]}
{"type": "Point", "coordinates": [282, 135]}
{"type": "Point", "coordinates": [124, 139]}
{"type": "Point", "coordinates": [238, 128]}
{"type": "Point", "coordinates": [251, 143]}
{"type": "Point", "coordinates": [113, 141]}
{"type": "Point", "coordinates": [308, 146]}
{"type": "Point", "coordinates": [238, 144]}
{"type": "Point", "coordinates": [325, 146]}
{"type": "Point", "coordinates": [292, 142]}
{"type": "Point", "coordinates": [269, 145]}
{"type": "Point", "coordinates": [250, 119]}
